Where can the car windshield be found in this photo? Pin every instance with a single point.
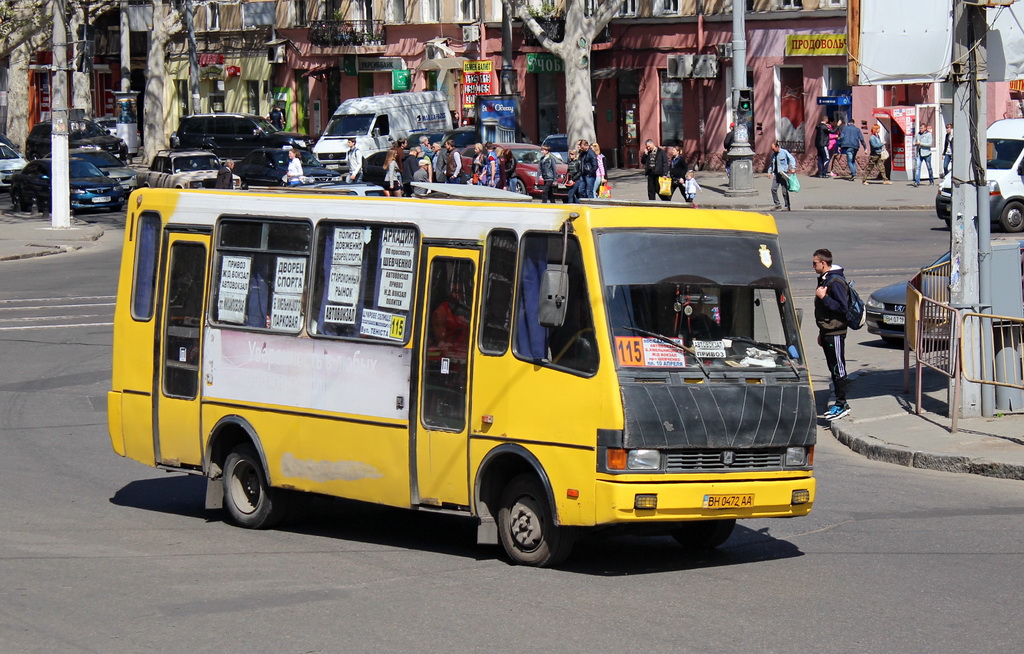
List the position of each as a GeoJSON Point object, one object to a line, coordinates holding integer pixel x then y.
{"type": "Point", "coordinates": [81, 129]}
{"type": "Point", "coordinates": [78, 169]}
{"type": "Point", "coordinates": [349, 125]}
{"type": "Point", "coordinates": [684, 299]}
{"type": "Point", "coordinates": [7, 153]}
{"type": "Point", "coordinates": [198, 162]}
{"type": "Point", "coordinates": [526, 156]}
{"type": "Point", "coordinates": [265, 125]}
{"type": "Point", "coordinates": [99, 158]}
{"type": "Point", "coordinates": [557, 142]}
{"type": "Point", "coordinates": [1003, 153]}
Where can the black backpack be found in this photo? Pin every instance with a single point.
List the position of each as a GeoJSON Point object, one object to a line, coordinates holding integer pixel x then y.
{"type": "Point", "coordinates": [856, 312]}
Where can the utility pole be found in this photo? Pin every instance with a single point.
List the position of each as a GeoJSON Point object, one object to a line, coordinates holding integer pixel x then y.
{"type": "Point", "coordinates": [60, 187]}
{"type": "Point", "coordinates": [741, 157]}
{"type": "Point", "coordinates": [193, 58]}
{"type": "Point", "coordinates": [508, 74]}
{"type": "Point", "coordinates": [970, 236]}
{"type": "Point", "coordinates": [126, 47]}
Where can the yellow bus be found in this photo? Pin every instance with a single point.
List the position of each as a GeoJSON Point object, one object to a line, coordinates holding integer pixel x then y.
{"type": "Point", "coordinates": [539, 369]}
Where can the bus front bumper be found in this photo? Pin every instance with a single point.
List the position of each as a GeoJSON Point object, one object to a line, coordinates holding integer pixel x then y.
{"type": "Point", "coordinates": [620, 502]}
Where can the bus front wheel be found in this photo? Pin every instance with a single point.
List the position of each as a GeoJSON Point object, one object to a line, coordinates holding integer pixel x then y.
{"type": "Point", "coordinates": [703, 535]}
{"type": "Point", "coordinates": [249, 499]}
{"type": "Point", "coordinates": [527, 527]}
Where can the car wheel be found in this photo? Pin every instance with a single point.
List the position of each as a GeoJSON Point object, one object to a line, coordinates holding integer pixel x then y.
{"type": "Point", "coordinates": [1012, 218]}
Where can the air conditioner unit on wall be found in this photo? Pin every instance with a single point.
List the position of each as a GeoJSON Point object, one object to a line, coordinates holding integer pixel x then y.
{"type": "Point", "coordinates": [276, 53]}
{"type": "Point", "coordinates": [470, 33]}
{"type": "Point", "coordinates": [705, 66]}
{"type": "Point", "coordinates": [680, 66]}
{"type": "Point", "coordinates": [724, 50]}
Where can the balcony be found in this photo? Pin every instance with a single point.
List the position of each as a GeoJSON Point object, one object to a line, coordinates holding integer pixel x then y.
{"type": "Point", "coordinates": [331, 33]}
{"type": "Point", "coordinates": [554, 28]}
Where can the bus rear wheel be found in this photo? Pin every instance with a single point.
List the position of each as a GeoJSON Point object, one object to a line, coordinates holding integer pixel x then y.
{"type": "Point", "coordinates": [249, 499]}
{"type": "Point", "coordinates": [703, 535]}
{"type": "Point", "coordinates": [527, 527]}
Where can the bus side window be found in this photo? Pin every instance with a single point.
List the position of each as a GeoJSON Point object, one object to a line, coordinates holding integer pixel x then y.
{"type": "Point", "coordinates": [573, 345]}
{"type": "Point", "coordinates": [499, 277]}
{"type": "Point", "coordinates": [147, 254]}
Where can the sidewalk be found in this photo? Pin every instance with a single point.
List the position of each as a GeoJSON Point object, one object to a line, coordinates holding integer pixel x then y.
{"type": "Point", "coordinates": [815, 194]}
{"type": "Point", "coordinates": [23, 236]}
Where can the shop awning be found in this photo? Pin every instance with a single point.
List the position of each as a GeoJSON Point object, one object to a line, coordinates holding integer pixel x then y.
{"type": "Point", "coordinates": [610, 73]}
{"type": "Point", "coordinates": [447, 63]}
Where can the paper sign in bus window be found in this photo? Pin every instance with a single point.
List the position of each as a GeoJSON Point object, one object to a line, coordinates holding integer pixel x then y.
{"type": "Point", "coordinates": [234, 287]}
{"type": "Point", "coordinates": [290, 277]}
{"type": "Point", "coordinates": [397, 259]}
{"type": "Point", "coordinates": [378, 324]}
{"type": "Point", "coordinates": [286, 312]}
{"type": "Point", "coordinates": [343, 285]}
{"type": "Point", "coordinates": [348, 246]}
{"type": "Point", "coordinates": [343, 315]}
{"type": "Point", "coordinates": [649, 352]}
{"type": "Point", "coordinates": [395, 290]}
{"type": "Point", "coordinates": [709, 349]}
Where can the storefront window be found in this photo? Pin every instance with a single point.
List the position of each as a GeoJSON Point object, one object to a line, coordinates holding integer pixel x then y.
{"type": "Point", "coordinates": [791, 127]}
{"type": "Point", "coordinates": [547, 102]}
{"type": "Point", "coordinates": [671, 109]}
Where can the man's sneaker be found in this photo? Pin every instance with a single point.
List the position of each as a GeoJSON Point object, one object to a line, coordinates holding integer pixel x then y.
{"type": "Point", "coordinates": [837, 411]}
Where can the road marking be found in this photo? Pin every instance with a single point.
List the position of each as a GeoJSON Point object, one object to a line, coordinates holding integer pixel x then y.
{"type": "Point", "coordinates": [35, 327]}
{"type": "Point", "coordinates": [58, 299]}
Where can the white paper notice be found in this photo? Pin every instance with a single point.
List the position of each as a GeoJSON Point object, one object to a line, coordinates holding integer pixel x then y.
{"type": "Point", "coordinates": [397, 259]}
{"type": "Point", "coordinates": [291, 276]}
{"type": "Point", "coordinates": [343, 286]}
{"type": "Point", "coordinates": [234, 287]}
{"type": "Point", "coordinates": [348, 246]}
{"type": "Point", "coordinates": [286, 312]}
{"type": "Point", "coordinates": [377, 324]}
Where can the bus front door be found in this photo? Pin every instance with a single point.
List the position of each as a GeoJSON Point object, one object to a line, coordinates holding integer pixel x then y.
{"type": "Point", "coordinates": [178, 428]}
{"type": "Point", "coordinates": [442, 432]}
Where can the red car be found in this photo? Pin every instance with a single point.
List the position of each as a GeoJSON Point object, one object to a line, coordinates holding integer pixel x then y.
{"type": "Point", "coordinates": [527, 167]}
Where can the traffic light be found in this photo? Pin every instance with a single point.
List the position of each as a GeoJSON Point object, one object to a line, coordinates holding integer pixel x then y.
{"type": "Point", "coordinates": [745, 103]}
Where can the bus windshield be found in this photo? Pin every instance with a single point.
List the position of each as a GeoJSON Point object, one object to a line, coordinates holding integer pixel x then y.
{"type": "Point", "coordinates": [349, 125]}
{"type": "Point", "coordinates": [682, 299]}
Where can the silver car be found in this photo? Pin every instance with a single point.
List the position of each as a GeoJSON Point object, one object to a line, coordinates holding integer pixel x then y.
{"type": "Point", "coordinates": [10, 162]}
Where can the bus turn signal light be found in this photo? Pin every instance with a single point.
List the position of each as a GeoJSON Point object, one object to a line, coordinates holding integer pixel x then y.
{"type": "Point", "coordinates": [801, 497]}
{"type": "Point", "coordinates": [616, 459]}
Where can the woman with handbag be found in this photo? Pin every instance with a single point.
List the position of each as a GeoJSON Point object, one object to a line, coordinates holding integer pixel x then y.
{"type": "Point", "coordinates": [878, 156]}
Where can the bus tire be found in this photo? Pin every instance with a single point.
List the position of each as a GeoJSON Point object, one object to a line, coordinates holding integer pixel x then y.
{"type": "Point", "coordinates": [703, 535]}
{"type": "Point", "coordinates": [248, 498]}
{"type": "Point", "coordinates": [527, 528]}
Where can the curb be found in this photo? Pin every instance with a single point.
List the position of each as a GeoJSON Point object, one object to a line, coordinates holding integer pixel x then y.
{"type": "Point", "coordinates": [877, 450]}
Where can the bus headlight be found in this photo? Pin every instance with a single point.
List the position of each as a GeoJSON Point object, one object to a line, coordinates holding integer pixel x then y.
{"type": "Point", "coordinates": [643, 460]}
{"type": "Point", "coordinates": [796, 456]}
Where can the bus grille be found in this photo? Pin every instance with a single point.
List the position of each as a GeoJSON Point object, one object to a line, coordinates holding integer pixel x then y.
{"type": "Point", "coordinates": [695, 460]}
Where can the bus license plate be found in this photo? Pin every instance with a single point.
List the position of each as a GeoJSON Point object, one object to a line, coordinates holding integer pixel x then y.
{"type": "Point", "coordinates": [894, 320]}
{"type": "Point", "coordinates": [744, 501]}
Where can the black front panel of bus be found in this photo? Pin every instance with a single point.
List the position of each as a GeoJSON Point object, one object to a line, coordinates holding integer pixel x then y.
{"type": "Point", "coordinates": [718, 415]}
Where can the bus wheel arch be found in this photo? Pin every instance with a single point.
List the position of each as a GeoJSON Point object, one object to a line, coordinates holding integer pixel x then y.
{"type": "Point", "coordinates": [238, 478]}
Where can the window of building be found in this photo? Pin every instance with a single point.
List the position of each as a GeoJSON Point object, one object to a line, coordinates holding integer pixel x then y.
{"type": "Point", "coordinates": [671, 109]}
{"type": "Point", "coordinates": [498, 282]}
{"type": "Point", "coordinates": [213, 17]}
{"type": "Point", "coordinates": [259, 279]}
{"type": "Point", "coordinates": [666, 7]}
{"type": "Point", "coordinates": [548, 107]}
{"type": "Point", "coordinates": [589, 7]}
{"type": "Point", "coordinates": [364, 281]}
{"type": "Point", "coordinates": [468, 10]}
{"type": "Point", "coordinates": [834, 4]}
{"type": "Point", "coordinates": [572, 346]}
{"type": "Point", "coordinates": [394, 11]}
{"type": "Point", "coordinates": [791, 4]}
{"type": "Point", "coordinates": [431, 11]}
{"type": "Point", "coordinates": [252, 96]}
{"type": "Point", "coordinates": [181, 87]}
{"type": "Point", "coordinates": [362, 10]}
{"type": "Point", "coordinates": [301, 16]}
{"type": "Point", "coordinates": [628, 9]}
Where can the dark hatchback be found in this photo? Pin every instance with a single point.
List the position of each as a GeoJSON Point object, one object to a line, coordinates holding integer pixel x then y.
{"type": "Point", "coordinates": [90, 188]}
{"type": "Point", "coordinates": [269, 166]}
{"type": "Point", "coordinates": [886, 309]}
{"type": "Point", "coordinates": [81, 134]}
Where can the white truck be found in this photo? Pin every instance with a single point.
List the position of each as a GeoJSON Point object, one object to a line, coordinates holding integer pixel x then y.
{"type": "Point", "coordinates": [376, 121]}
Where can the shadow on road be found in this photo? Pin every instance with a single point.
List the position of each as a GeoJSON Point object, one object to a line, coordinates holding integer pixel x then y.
{"type": "Point", "coordinates": [604, 554]}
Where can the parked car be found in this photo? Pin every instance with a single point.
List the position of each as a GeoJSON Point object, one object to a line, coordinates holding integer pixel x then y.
{"type": "Point", "coordinates": [110, 165]}
{"type": "Point", "coordinates": [81, 134]}
{"type": "Point", "coordinates": [90, 188]}
{"type": "Point", "coordinates": [233, 135]}
{"type": "Point", "coordinates": [108, 123]}
{"type": "Point", "coordinates": [269, 167]}
{"type": "Point", "coordinates": [9, 143]}
{"type": "Point", "coordinates": [11, 162]}
{"type": "Point", "coordinates": [182, 169]}
{"type": "Point", "coordinates": [527, 167]}
{"type": "Point", "coordinates": [463, 137]}
{"type": "Point", "coordinates": [887, 309]}
{"type": "Point", "coordinates": [341, 188]}
{"type": "Point", "coordinates": [559, 144]}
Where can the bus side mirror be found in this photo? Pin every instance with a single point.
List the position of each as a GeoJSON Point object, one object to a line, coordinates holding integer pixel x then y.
{"type": "Point", "coordinates": [554, 288]}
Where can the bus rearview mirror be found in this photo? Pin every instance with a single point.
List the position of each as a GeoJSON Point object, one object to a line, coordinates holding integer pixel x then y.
{"type": "Point", "coordinates": [554, 286]}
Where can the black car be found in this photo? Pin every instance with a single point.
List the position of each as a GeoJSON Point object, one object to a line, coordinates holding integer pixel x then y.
{"type": "Point", "coordinates": [233, 135]}
{"type": "Point", "coordinates": [81, 134]}
{"type": "Point", "coordinates": [269, 166]}
{"type": "Point", "coordinates": [90, 188]}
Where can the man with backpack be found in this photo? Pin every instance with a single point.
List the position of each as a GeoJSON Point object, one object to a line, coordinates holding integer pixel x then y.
{"type": "Point", "coordinates": [831, 313]}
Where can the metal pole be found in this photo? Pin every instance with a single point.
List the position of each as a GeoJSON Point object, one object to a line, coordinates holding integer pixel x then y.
{"type": "Point", "coordinates": [508, 74]}
{"type": "Point", "coordinates": [126, 45]}
{"type": "Point", "coordinates": [741, 157]}
{"type": "Point", "coordinates": [60, 187]}
{"type": "Point", "coordinates": [193, 58]}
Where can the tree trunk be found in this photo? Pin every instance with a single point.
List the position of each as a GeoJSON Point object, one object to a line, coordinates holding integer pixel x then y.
{"type": "Point", "coordinates": [81, 83]}
{"type": "Point", "coordinates": [155, 116]}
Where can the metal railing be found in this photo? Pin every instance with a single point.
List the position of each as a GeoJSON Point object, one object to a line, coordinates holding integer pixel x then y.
{"type": "Point", "coordinates": [329, 33]}
{"type": "Point", "coordinates": [1000, 335]}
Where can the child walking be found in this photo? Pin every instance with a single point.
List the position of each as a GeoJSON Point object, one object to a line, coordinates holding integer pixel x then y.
{"type": "Point", "coordinates": [690, 189]}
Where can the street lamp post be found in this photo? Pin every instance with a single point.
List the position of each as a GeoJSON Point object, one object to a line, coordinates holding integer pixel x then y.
{"type": "Point", "coordinates": [741, 157]}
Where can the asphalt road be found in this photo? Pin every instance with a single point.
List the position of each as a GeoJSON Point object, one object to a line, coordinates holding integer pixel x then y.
{"type": "Point", "coordinates": [101, 554]}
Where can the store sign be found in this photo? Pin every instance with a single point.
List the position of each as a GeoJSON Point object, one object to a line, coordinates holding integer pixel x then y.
{"type": "Point", "coordinates": [206, 59]}
{"type": "Point", "coordinates": [379, 64]}
{"type": "Point", "coordinates": [401, 80]}
{"type": "Point", "coordinates": [478, 78]}
{"type": "Point", "coordinates": [544, 62]}
{"type": "Point", "coordinates": [815, 45]}
{"type": "Point", "coordinates": [835, 100]}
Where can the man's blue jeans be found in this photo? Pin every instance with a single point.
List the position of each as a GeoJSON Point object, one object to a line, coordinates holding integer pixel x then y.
{"type": "Point", "coordinates": [924, 161]}
{"type": "Point", "coordinates": [851, 160]}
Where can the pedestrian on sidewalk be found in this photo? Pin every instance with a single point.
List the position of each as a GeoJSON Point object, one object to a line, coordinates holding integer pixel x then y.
{"type": "Point", "coordinates": [877, 146]}
{"type": "Point", "coordinates": [690, 189]}
{"type": "Point", "coordinates": [410, 166]}
{"type": "Point", "coordinates": [730, 136]}
{"type": "Point", "coordinates": [225, 175]}
{"type": "Point", "coordinates": [831, 301]}
{"type": "Point", "coordinates": [676, 170]}
{"type": "Point", "coordinates": [923, 142]}
{"type": "Point", "coordinates": [947, 150]}
{"type": "Point", "coordinates": [588, 167]}
{"type": "Point", "coordinates": [781, 166]}
{"type": "Point", "coordinates": [454, 163]}
{"type": "Point", "coordinates": [574, 178]}
{"type": "Point", "coordinates": [850, 142]}
{"type": "Point", "coordinates": [547, 174]}
{"type": "Point", "coordinates": [821, 136]}
{"type": "Point", "coordinates": [834, 153]}
{"type": "Point", "coordinates": [655, 167]}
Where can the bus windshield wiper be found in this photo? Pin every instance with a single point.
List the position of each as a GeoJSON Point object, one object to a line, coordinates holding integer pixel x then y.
{"type": "Point", "coordinates": [769, 346]}
{"type": "Point", "coordinates": [669, 341]}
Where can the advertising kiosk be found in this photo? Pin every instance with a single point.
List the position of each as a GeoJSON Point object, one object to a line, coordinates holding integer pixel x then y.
{"type": "Point", "coordinates": [127, 120]}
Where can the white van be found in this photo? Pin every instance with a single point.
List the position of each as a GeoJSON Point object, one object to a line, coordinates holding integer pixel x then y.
{"type": "Point", "coordinates": [1005, 175]}
{"type": "Point", "coordinates": [378, 120]}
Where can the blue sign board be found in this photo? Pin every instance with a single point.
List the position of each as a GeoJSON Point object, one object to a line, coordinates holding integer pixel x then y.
{"type": "Point", "coordinates": [835, 100]}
